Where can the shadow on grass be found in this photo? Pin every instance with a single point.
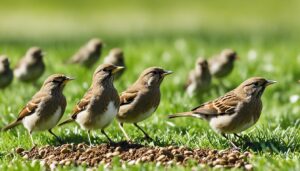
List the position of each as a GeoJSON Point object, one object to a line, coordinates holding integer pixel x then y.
{"type": "Point", "coordinates": [271, 145]}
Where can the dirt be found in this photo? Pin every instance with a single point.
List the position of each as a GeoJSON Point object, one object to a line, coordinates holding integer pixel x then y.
{"type": "Point", "coordinates": [82, 154]}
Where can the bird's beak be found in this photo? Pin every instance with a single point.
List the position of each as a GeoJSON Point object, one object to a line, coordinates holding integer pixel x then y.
{"type": "Point", "coordinates": [167, 73]}
{"type": "Point", "coordinates": [119, 68]}
{"type": "Point", "coordinates": [269, 82]}
{"type": "Point", "coordinates": [68, 79]}
{"type": "Point", "coordinates": [237, 58]}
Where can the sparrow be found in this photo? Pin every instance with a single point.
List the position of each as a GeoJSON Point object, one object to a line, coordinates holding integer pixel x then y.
{"type": "Point", "coordinates": [46, 107]}
{"type": "Point", "coordinates": [222, 64]}
{"type": "Point", "coordinates": [116, 57]}
{"type": "Point", "coordinates": [100, 104]}
{"type": "Point", "coordinates": [88, 54]}
{"type": "Point", "coordinates": [6, 74]}
{"type": "Point", "coordinates": [199, 79]}
{"type": "Point", "coordinates": [141, 99]}
{"type": "Point", "coordinates": [31, 66]}
{"type": "Point", "coordinates": [234, 112]}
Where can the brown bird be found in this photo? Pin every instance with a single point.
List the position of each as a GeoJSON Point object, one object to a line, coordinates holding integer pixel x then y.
{"type": "Point", "coordinates": [199, 79]}
{"type": "Point", "coordinates": [141, 99]}
{"type": "Point", "coordinates": [31, 67]}
{"type": "Point", "coordinates": [234, 112]}
{"type": "Point", "coordinates": [100, 104]}
{"type": "Point", "coordinates": [45, 108]}
{"type": "Point", "coordinates": [6, 74]}
{"type": "Point", "coordinates": [222, 64]}
{"type": "Point", "coordinates": [88, 54]}
{"type": "Point", "coordinates": [116, 57]}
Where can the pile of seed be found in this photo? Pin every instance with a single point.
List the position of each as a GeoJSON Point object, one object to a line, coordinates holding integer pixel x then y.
{"type": "Point", "coordinates": [82, 154]}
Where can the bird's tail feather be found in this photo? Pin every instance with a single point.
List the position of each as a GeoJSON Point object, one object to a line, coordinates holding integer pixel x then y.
{"type": "Point", "coordinates": [11, 125]}
{"type": "Point", "coordinates": [184, 114]}
{"type": "Point", "coordinates": [66, 122]}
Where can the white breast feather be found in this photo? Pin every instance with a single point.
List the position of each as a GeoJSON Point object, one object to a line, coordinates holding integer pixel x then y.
{"type": "Point", "coordinates": [31, 122]}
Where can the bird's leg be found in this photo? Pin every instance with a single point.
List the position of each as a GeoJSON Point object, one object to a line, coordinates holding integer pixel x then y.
{"type": "Point", "coordinates": [240, 137]}
{"type": "Point", "coordinates": [103, 132]}
{"type": "Point", "coordinates": [145, 134]}
{"type": "Point", "coordinates": [232, 144]}
{"type": "Point", "coordinates": [88, 133]}
{"type": "Point", "coordinates": [57, 137]}
{"type": "Point", "coordinates": [122, 129]}
{"type": "Point", "coordinates": [32, 142]}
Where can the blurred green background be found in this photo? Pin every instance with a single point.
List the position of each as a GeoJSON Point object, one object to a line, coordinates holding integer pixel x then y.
{"type": "Point", "coordinates": [71, 18]}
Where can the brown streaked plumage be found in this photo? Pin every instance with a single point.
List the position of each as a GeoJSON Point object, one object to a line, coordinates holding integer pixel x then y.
{"type": "Point", "coordinates": [100, 104]}
{"type": "Point", "coordinates": [31, 67]}
{"type": "Point", "coordinates": [222, 64]}
{"type": "Point", "coordinates": [141, 99]}
{"type": "Point", "coordinates": [89, 54]}
{"type": "Point", "coordinates": [199, 79]}
{"type": "Point", "coordinates": [6, 74]}
{"type": "Point", "coordinates": [116, 57]}
{"type": "Point", "coordinates": [46, 107]}
{"type": "Point", "coordinates": [234, 112]}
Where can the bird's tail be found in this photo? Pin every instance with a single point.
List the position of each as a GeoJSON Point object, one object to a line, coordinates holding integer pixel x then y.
{"type": "Point", "coordinates": [184, 114]}
{"type": "Point", "coordinates": [66, 122]}
{"type": "Point", "coordinates": [11, 125]}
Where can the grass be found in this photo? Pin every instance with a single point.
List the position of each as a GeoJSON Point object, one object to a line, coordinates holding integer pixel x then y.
{"type": "Point", "coordinates": [275, 139]}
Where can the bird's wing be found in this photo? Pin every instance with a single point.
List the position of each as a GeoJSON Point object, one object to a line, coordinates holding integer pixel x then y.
{"type": "Point", "coordinates": [224, 105]}
{"type": "Point", "coordinates": [82, 104]}
{"type": "Point", "coordinates": [30, 107]}
{"type": "Point", "coordinates": [128, 96]}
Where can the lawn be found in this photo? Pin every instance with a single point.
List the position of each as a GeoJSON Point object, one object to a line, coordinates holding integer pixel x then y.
{"type": "Point", "coordinates": [274, 140]}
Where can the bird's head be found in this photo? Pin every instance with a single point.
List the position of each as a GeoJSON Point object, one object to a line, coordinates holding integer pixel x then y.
{"type": "Point", "coordinates": [153, 76]}
{"type": "Point", "coordinates": [56, 82]}
{"type": "Point", "coordinates": [229, 55]}
{"type": "Point", "coordinates": [105, 72]}
{"type": "Point", "coordinates": [117, 54]}
{"type": "Point", "coordinates": [201, 63]}
{"type": "Point", "coordinates": [35, 54]}
{"type": "Point", "coordinates": [254, 87]}
{"type": "Point", "coordinates": [95, 44]}
{"type": "Point", "coordinates": [4, 61]}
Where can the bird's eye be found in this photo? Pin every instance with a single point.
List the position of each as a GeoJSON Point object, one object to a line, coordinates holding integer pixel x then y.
{"type": "Point", "coordinates": [256, 84]}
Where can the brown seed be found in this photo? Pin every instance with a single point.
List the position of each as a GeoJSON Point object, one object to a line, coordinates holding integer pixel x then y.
{"type": "Point", "coordinates": [65, 150]}
{"type": "Point", "coordinates": [187, 152]}
{"type": "Point", "coordinates": [220, 162]}
{"type": "Point", "coordinates": [179, 157]}
{"type": "Point", "coordinates": [42, 153]}
{"type": "Point", "coordinates": [19, 150]}
{"type": "Point", "coordinates": [232, 159]}
{"type": "Point", "coordinates": [144, 158]}
{"type": "Point", "coordinates": [161, 157]}
{"type": "Point", "coordinates": [118, 149]}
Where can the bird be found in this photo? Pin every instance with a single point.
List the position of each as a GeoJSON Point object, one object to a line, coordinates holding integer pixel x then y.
{"type": "Point", "coordinates": [46, 107]}
{"type": "Point", "coordinates": [199, 79]}
{"type": "Point", "coordinates": [221, 65]}
{"type": "Point", "coordinates": [6, 74]}
{"type": "Point", "coordinates": [141, 99]}
{"type": "Point", "coordinates": [88, 54]}
{"type": "Point", "coordinates": [116, 57]}
{"type": "Point", "coordinates": [100, 104]}
{"type": "Point", "coordinates": [31, 67]}
{"type": "Point", "coordinates": [234, 112]}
